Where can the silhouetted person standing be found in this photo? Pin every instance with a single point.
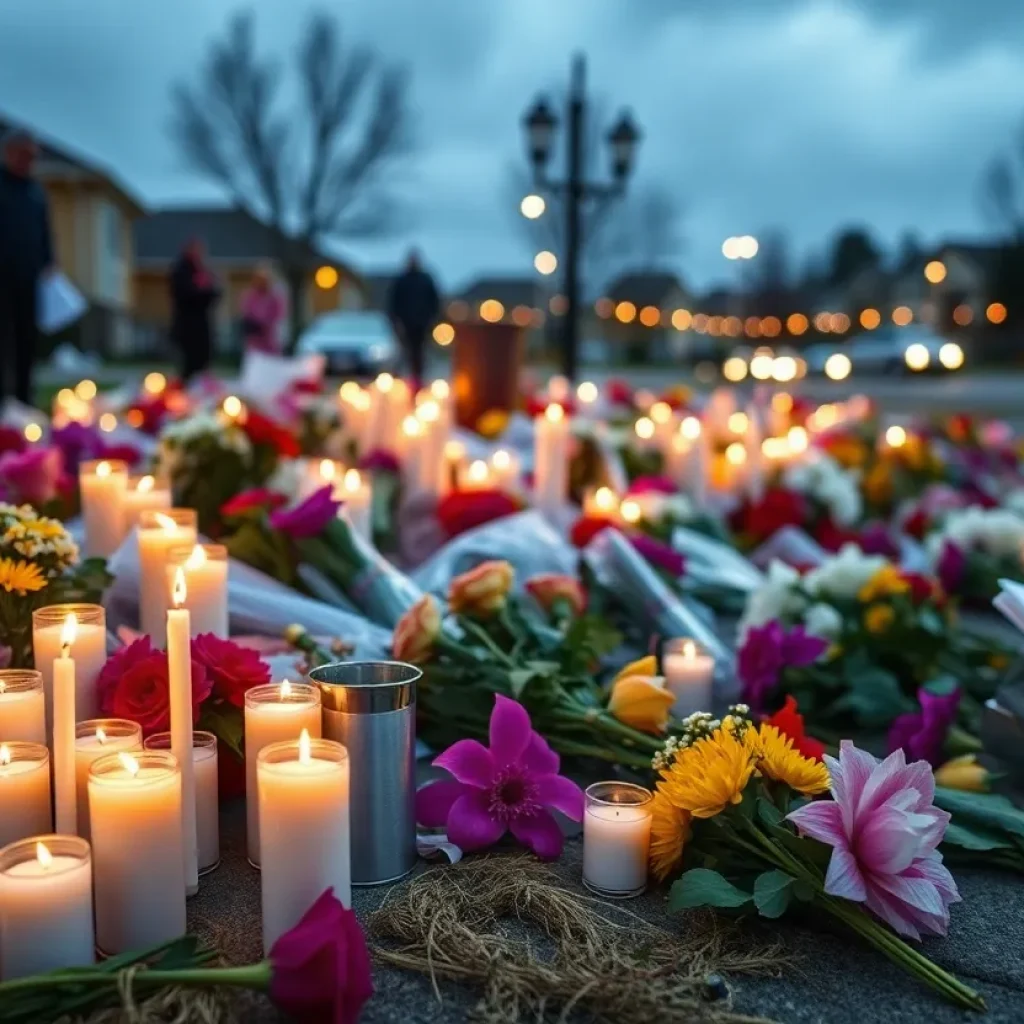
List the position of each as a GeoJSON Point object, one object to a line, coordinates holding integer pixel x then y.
{"type": "Point", "coordinates": [413, 306]}
{"type": "Point", "coordinates": [194, 293]}
{"type": "Point", "coordinates": [26, 254]}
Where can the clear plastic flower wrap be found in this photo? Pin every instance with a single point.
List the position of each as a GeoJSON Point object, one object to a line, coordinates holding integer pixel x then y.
{"type": "Point", "coordinates": [256, 604]}
{"type": "Point", "coordinates": [709, 562]}
{"type": "Point", "coordinates": [527, 541]}
{"type": "Point", "coordinates": [791, 545]}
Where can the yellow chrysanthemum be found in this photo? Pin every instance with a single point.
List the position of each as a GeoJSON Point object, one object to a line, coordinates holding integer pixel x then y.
{"type": "Point", "coordinates": [886, 582]}
{"type": "Point", "coordinates": [20, 577]}
{"type": "Point", "coordinates": [878, 618]}
{"type": "Point", "coordinates": [670, 829]}
{"type": "Point", "coordinates": [709, 775]}
{"type": "Point", "coordinates": [777, 760]}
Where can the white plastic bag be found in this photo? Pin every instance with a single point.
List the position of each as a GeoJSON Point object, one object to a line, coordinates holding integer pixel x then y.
{"type": "Point", "coordinates": [59, 303]}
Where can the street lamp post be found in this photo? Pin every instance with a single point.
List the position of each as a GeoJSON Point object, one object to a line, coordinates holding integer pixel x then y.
{"type": "Point", "coordinates": [575, 190]}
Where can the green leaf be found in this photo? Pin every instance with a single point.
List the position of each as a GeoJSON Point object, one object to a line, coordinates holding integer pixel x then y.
{"type": "Point", "coordinates": [519, 679]}
{"type": "Point", "coordinates": [988, 809]}
{"type": "Point", "coordinates": [701, 887]}
{"type": "Point", "coordinates": [874, 696]}
{"type": "Point", "coordinates": [772, 893]}
{"type": "Point", "coordinates": [226, 723]}
{"type": "Point", "coordinates": [804, 892]}
{"type": "Point", "coordinates": [973, 837]}
{"type": "Point", "coordinates": [768, 812]}
{"type": "Point", "coordinates": [942, 686]}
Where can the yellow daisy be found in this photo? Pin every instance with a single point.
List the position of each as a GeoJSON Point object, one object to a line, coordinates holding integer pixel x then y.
{"type": "Point", "coordinates": [777, 760]}
{"type": "Point", "coordinates": [670, 829]}
{"type": "Point", "coordinates": [878, 618]}
{"type": "Point", "coordinates": [886, 581]}
{"type": "Point", "coordinates": [709, 774]}
{"type": "Point", "coordinates": [20, 577]}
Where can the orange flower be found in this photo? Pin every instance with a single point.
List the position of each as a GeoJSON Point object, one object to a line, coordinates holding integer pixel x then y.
{"type": "Point", "coordinates": [417, 631]}
{"type": "Point", "coordinates": [642, 702]}
{"type": "Point", "coordinates": [551, 589]}
{"type": "Point", "coordinates": [483, 590]}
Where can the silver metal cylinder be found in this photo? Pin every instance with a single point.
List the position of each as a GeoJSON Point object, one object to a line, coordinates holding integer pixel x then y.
{"type": "Point", "coordinates": [370, 708]}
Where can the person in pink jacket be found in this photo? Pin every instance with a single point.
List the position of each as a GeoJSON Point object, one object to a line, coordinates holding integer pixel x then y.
{"type": "Point", "coordinates": [264, 309]}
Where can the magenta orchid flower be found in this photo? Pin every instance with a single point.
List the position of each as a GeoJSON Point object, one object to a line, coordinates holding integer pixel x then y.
{"type": "Point", "coordinates": [951, 567]}
{"type": "Point", "coordinates": [511, 787]}
{"type": "Point", "coordinates": [884, 832]}
{"type": "Point", "coordinates": [652, 485]}
{"type": "Point", "coordinates": [922, 734]}
{"type": "Point", "coordinates": [309, 517]}
{"type": "Point", "coordinates": [769, 649]}
{"type": "Point", "coordinates": [660, 555]}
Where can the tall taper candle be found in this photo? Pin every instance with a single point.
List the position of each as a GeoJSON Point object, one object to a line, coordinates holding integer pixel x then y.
{"type": "Point", "coordinates": [158, 533]}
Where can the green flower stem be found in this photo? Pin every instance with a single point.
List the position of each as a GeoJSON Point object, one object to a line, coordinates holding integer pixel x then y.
{"type": "Point", "coordinates": [480, 634]}
{"type": "Point", "coordinates": [959, 741]}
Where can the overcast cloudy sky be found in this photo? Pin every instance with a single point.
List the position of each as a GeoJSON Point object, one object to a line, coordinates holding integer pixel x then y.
{"type": "Point", "coordinates": [804, 114]}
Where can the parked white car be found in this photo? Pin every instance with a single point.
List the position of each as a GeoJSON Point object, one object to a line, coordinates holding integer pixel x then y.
{"type": "Point", "coordinates": [353, 342]}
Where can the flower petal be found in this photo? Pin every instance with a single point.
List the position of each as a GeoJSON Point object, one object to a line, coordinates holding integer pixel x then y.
{"type": "Point", "coordinates": [887, 841]}
{"type": "Point", "coordinates": [561, 794]}
{"type": "Point", "coordinates": [539, 757]}
{"type": "Point", "coordinates": [469, 761]}
{"type": "Point", "coordinates": [510, 731]}
{"type": "Point", "coordinates": [539, 832]}
{"type": "Point", "coordinates": [821, 820]}
{"type": "Point", "coordinates": [844, 878]}
{"type": "Point", "coordinates": [470, 824]}
{"type": "Point", "coordinates": [850, 775]}
{"type": "Point", "coordinates": [892, 911]}
{"type": "Point", "coordinates": [434, 801]}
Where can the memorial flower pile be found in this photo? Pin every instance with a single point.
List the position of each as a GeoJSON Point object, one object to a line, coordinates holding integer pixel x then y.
{"type": "Point", "coordinates": [753, 822]}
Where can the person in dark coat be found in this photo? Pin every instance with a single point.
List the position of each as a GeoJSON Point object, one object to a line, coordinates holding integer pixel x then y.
{"type": "Point", "coordinates": [194, 293]}
{"type": "Point", "coordinates": [413, 305]}
{"type": "Point", "coordinates": [26, 255]}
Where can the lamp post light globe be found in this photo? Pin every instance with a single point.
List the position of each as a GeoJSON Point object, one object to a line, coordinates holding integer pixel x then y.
{"type": "Point", "coordinates": [540, 125]}
{"type": "Point", "coordinates": [623, 139]}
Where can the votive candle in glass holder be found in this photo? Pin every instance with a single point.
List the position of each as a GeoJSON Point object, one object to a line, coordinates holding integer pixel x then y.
{"type": "Point", "coordinates": [304, 829]}
{"type": "Point", "coordinates": [45, 906]}
{"type": "Point", "coordinates": [138, 850]}
{"type": "Point", "coordinates": [143, 494]}
{"type": "Point", "coordinates": [95, 738]}
{"type": "Point", "coordinates": [88, 650]}
{"type": "Point", "coordinates": [274, 713]}
{"type": "Point", "coordinates": [102, 484]}
{"type": "Point", "coordinates": [204, 758]}
{"type": "Point", "coordinates": [24, 791]}
{"type": "Point", "coordinates": [616, 838]}
{"type": "Point", "coordinates": [22, 705]}
{"type": "Point", "coordinates": [206, 579]}
{"type": "Point", "coordinates": [689, 676]}
{"type": "Point", "coordinates": [159, 532]}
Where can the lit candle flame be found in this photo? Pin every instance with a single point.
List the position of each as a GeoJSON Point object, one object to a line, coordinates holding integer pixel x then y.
{"type": "Point", "coordinates": [44, 856]}
{"type": "Point", "coordinates": [349, 391]}
{"type": "Point", "coordinates": [362, 401]}
{"type": "Point", "coordinates": [108, 422]}
{"type": "Point", "coordinates": [644, 428]}
{"type": "Point", "coordinates": [130, 765]}
{"type": "Point", "coordinates": [797, 438]}
{"type": "Point", "coordinates": [440, 390]}
{"type": "Point", "coordinates": [353, 480]}
{"type": "Point", "coordinates": [33, 432]}
{"type": "Point", "coordinates": [411, 426]}
{"type": "Point", "coordinates": [501, 459]}
{"type": "Point", "coordinates": [5, 754]}
{"type": "Point", "coordinates": [661, 412]}
{"type": "Point", "coordinates": [587, 392]}
{"type": "Point", "coordinates": [305, 747]}
{"type": "Point", "coordinates": [327, 469]}
{"type": "Point", "coordinates": [429, 411]}
{"type": "Point", "coordinates": [554, 413]}
{"type": "Point", "coordinates": [736, 454]}
{"type": "Point", "coordinates": [690, 428]}
{"type": "Point", "coordinates": [232, 406]}
{"type": "Point", "coordinates": [604, 499]}
{"type": "Point", "coordinates": [477, 472]}
{"type": "Point", "coordinates": [145, 484]}
{"type": "Point", "coordinates": [103, 469]}
{"type": "Point", "coordinates": [179, 591]}
{"type": "Point", "coordinates": [166, 522]}
{"type": "Point", "coordinates": [631, 511]}
{"type": "Point", "coordinates": [68, 633]}
{"type": "Point", "coordinates": [286, 690]}
{"type": "Point", "coordinates": [101, 736]}
{"type": "Point", "coordinates": [385, 382]}
{"type": "Point", "coordinates": [689, 650]}
{"type": "Point", "coordinates": [454, 451]}
{"type": "Point", "coordinates": [196, 559]}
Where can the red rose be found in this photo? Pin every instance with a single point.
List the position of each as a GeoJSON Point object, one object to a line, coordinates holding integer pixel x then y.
{"type": "Point", "coordinates": [460, 511]}
{"type": "Point", "coordinates": [917, 524]}
{"type": "Point", "coordinates": [832, 537]}
{"type": "Point", "coordinates": [259, 498]}
{"type": "Point", "coordinates": [923, 588]}
{"type": "Point", "coordinates": [262, 430]}
{"type": "Point", "coordinates": [586, 528]}
{"type": "Point", "coordinates": [11, 440]}
{"type": "Point", "coordinates": [231, 669]}
{"type": "Point", "coordinates": [133, 684]}
{"type": "Point", "coordinates": [537, 405]}
{"type": "Point", "coordinates": [618, 392]}
{"type": "Point", "coordinates": [778, 507]}
{"type": "Point", "coordinates": [790, 723]}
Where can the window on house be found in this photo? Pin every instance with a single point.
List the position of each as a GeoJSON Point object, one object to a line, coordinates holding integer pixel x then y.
{"type": "Point", "coordinates": [110, 255]}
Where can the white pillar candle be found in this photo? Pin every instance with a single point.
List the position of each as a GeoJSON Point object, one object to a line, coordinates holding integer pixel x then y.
{"type": "Point", "coordinates": [698, 462]}
{"type": "Point", "coordinates": [378, 423]}
{"type": "Point", "coordinates": [64, 797]}
{"type": "Point", "coordinates": [273, 713]}
{"type": "Point", "coordinates": [689, 675]}
{"type": "Point", "coordinates": [89, 650]}
{"type": "Point", "coordinates": [45, 906]}
{"type": "Point", "coordinates": [551, 460]}
{"type": "Point", "coordinates": [138, 853]}
{"type": "Point", "coordinates": [664, 420]}
{"type": "Point", "coordinates": [102, 484]}
{"type": "Point", "coordinates": [600, 503]}
{"type": "Point", "coordinates": [755, 462]}
{"type": "Point", "coordinates": [24, 791]}
{"type": "Point", "coordinates": [616, 838]}
{"type": "Point", "coordinates": [206, 581]}
{"type": "Point", "coordinates": [453, 455]}
{"type": "Point", "coordinates": [143, 494]}
{"type": "Point", "coordinates": [158, 533]}
{"type": "Point", "coordinates": [304, 829]}
{"type": "Point", "coordinates": [558, 388]}
{"type": "Point", "coordinates": [22, 705]}
{"type": "Point", "coordinates": [435, 437]}
{"type": "Point", "coordinates": [357, 495]}
{"type": "Point", "coordinates": [95, 738]}
{"type": "Point", "coordinates": [505, 469]}
{"type": "Point", "coordinates": [476, 476]}
{"type": "Point", "coordinates": [179, 678]}
{"type": "Point", "coordinates": [204, 758]}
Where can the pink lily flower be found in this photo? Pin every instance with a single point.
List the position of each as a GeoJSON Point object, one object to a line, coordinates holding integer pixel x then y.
{"type": "Point", "coordinates": [511, 787]}
{"type": "Point", "coordinates": [884, 832]}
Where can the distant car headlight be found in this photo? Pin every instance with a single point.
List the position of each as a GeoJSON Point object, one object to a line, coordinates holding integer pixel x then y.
{"type": "Point", "coordinates": [917, 356]}
{"type": "Point", "coordinates": [377, 353]}
{"type": "Point", "coordinates": [951, 355]}
{"type": "Point", "coordinates": [838, 366]}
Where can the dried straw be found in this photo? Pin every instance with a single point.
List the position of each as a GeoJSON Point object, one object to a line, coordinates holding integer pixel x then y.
{"type": "Point", "coordinates": [168, 1006]}
{"type": "Point", "coordinates": [592, 960]}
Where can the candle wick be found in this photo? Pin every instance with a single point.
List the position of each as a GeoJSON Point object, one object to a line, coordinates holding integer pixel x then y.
{"type": "Point", "coordinates": [65, 650]}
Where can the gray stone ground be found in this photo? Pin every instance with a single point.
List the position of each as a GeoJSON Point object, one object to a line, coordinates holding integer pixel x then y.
{"type": "Point", "coordinates": [832, 980]}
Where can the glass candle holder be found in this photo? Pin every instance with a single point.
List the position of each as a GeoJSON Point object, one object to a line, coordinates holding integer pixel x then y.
{"type": "Point", "coordinates": [24, 791]}
{"type": "Point", "coordinates": [45, 905]}
{"type": "Point", "coordinates": [274, 713]}
{"type": "Point", "coordinates": [159, 531]}
{"type": "Point", "coordinates": [204, 758]}
{"type": "Point", "coordinates": [205, 567]}
{"type": "Point", "coordinates": [88, 649]}
{"type": "Point", "coordinates": [138, 849]}
{"type": "Point", "coordinates": [102, 483]}
{"type": "Point", "coordinates": [689, 674]}
{"type": "Point", "coordinates": [616, 838]}
{"type": "Point", "coordinates": [95, 738]}
{"type": "Point", "coordinates": [22, 705]}
{"type": "Point", "coordinates": [304, 829]}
